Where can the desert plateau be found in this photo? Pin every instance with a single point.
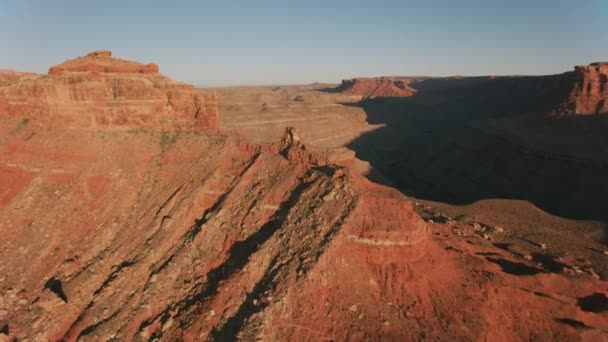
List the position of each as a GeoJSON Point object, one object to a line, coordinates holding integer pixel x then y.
{"type": "Point", "coordinates": [138, 207]}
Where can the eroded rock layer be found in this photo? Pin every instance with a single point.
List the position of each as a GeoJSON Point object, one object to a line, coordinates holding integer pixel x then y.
{"type": "Point", "coordinates": [98, 91]}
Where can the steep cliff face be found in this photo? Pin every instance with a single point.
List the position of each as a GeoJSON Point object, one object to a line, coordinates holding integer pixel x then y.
{"type": "Point", "coordinates": [590, 93]}
{"type": "Point", "coordinates": [377, 87]}
{"type": "Point", "coordinates": [98, 91]}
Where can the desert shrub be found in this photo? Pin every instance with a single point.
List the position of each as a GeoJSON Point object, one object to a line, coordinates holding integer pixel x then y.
{"type": "Point", "coordinates": [166, 140]}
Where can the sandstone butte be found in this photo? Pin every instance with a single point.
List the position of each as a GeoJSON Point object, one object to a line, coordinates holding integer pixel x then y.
{"type": "Point", "coordinates": [99, 91]}
{"type": "Point", "coordinates": [193, 235]}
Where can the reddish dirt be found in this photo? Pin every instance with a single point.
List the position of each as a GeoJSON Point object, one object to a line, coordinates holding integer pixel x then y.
{"type": "Point", "coordinates": [192, 235]}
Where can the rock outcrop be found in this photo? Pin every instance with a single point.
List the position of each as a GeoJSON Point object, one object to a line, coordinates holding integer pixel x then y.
{"type": "Point", "coordinates": [590, 93]}
{"type": "Point", "coordinates": [377, 87]}
{"type": "Point", "coordinates": [98, 91]}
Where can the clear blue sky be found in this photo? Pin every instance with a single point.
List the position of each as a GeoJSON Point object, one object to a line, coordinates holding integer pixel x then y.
{"type": "Point", "coordinates": [286, 42]}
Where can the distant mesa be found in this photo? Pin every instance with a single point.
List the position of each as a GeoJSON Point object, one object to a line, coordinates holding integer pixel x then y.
{"type": "Point", "coordinates": [377, 87]}
{"type": "Point", "coordinates": [97, 91]}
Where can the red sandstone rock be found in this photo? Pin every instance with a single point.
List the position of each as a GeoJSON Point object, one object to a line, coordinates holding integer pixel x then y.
{"type": "Point", "coordinates": [98, 91]}
{"type": "Point", "coordinates": [377, 87]}
{"type": "Point", "coordinates": [590, 93]}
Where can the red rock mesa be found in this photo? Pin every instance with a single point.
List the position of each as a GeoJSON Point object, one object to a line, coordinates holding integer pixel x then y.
{"type": "Point", "coordinates": [98, 91]}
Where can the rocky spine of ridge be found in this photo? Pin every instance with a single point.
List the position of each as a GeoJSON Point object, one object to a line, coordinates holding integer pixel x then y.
{"type": "Point", "coordinates": [213, 239]}
{"type": "Point", "coordinates": [98, 91]}
{"type": "Point", "coordinates": [377, 87]}
{"type": "Point", "coordinates": [590, 92]}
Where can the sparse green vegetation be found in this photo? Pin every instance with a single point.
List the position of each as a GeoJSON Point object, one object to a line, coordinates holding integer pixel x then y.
{"type": "Point", "coordinates": [135, 131]}
{"type": "Point", "coordinates": [22, 123]}
{"type": "Point", "coordinates": [166, 140]}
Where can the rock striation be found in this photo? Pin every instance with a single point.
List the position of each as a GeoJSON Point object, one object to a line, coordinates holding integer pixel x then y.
{"type": "Point", "coordinates": [99, 91]}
